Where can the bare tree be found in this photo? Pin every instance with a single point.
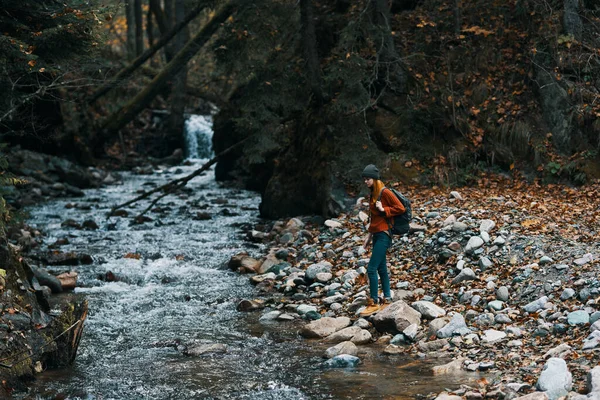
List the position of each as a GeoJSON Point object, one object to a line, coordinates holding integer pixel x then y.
{"type": "Point", "coordinates": [309, 48]}
{"type": "Point", "coordinates": [139, 27]}
{"type": "Point", "coordinates": [130, 16]}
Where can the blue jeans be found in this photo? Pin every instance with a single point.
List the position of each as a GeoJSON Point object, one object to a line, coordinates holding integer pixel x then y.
{"type": "Point", "coordinates": [381, 242]}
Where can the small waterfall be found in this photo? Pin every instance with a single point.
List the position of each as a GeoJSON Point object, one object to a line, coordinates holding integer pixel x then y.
{"type": "Point", "coordinates": [198, 136]}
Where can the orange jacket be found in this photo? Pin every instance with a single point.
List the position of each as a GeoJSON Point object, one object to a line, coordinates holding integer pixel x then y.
{"type": "Point", "coordinates": [391, 206]}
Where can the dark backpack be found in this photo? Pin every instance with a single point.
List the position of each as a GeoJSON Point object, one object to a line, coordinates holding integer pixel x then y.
{"type": "Point", "coordinates": [400, 222]}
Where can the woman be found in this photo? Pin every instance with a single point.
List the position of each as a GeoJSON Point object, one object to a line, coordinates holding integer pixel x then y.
{"type": "Point", "coordinates": [383, 205]}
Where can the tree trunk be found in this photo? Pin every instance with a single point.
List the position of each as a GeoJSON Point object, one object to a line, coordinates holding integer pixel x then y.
{"type": "Point", "coordinates": [149, 28]}
{"type": "Point", "coordinates": [177, 120]}
{"type": "Point", "coordinates": [309, 49]}
{"type": "Point", "coordinates": [126, 113]}
{"type": "Point", "coordinates": [390, 72]}
{"type": "Point", "coordinates": [457, 17]}
{"type": "Point", "coordinates": [130, 16]}
{"type": "Point", "coordinates": [572, 20]}
{"type": "Point", "coordinates": [127, 71]}
{"type": "Point", "coordinates": [139, 28]}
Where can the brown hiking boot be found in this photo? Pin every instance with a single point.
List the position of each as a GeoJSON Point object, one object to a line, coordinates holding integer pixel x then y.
{"type": "Point", "coordinates": [384, 303]}
{"type": "Point", "coordinates": [371, 309]}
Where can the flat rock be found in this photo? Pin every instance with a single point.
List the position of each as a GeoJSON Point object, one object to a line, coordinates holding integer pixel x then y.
{"type": "Point", "coordinates": [324, 327]}
{"type": "Point", "coordinates": [353, 334]}
{"type": "Point", "coordinates": [341, 348]}
{"type": "Point", "coordinates": [428, 309]}
{"type": "Point", "coordinates": [396, 317]}
{"type": "Point", "coordinates": [452, 367]}
{"type": "Point", "coordinates": [492, 335]}
{"type": "Point", "coordinates": [212, 348]}
{"type": "Point", "coordinates": [433, 345]}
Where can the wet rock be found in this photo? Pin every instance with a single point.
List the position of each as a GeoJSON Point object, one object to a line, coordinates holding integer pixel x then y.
{"type": "Point", "coordinates": [348, 348]}
{"type": "Point", "coordinates": [342, 361]}
{"type": "Point", "coordinates": [353, 334]}
{"type": "Point", "coordinates": [68, 280]}
{"type": "Point", "coordinates": [268, 264]}
{"type": "Point", "coordinates": [428, 309]}
{"type": "Point", "coordinates": [305, 308]}
{"type": "Point", "coordinates": [204, 349]}
{"type": "Point", "coordinates": [70, 223]}
{"type": "Point", "coordinates": [452, 367]}
{"type": "Point", "coordinates": [433, 345]}
{"type": "Point", "coordinates": [269, 316]}
{"type": "Point", "coordinates": [89, 224]}
{"type": "Point", "coordinates": [45, 278]}
{"type": "Point", "coordinates": [396, 317]}
{"type": "Point", "coordinates": [69, 258]}
{"type": "Point", "coordinates": [324, 327]}
{"type": "Point", "coordinates": [555, 379]}
{"type": "Point", "coordinates": [250, 305]}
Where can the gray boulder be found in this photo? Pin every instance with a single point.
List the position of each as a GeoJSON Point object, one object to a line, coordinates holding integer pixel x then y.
{"type": "Point", "coordinates": [348, 348]}
{"type": "Point", "coordinates": [555, 379]}
{"type": "Point", "coordinates": [396, 317]}
{"type": "Point", "coordinates": [456, 326]}
{"type": "Point", "coordinates": [324, 327]}
{"type": "Point", "coordinates": [428, 309]}
{"type": "Point", "coordinates": [353, 334]}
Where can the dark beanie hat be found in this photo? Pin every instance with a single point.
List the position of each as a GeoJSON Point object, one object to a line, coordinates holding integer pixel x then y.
{"type": "Point", "coordinates": [370, 171]}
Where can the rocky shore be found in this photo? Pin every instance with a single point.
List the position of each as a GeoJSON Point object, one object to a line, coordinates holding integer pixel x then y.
{"type": "Point", "coordinates": [502, 279]}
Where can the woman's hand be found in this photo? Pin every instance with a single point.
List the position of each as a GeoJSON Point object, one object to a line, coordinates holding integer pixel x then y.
{"type": "Point", "coordinates": [367, 240]}
{"type": "Point", "coordinates": [379, 206]}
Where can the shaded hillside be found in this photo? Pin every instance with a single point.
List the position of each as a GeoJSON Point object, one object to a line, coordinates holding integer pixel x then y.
{"type": "Point", "coordinates": [471, 85]}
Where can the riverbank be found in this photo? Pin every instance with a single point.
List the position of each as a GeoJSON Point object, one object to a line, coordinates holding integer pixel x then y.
{"type": "Point", "coordinates": [502, 278]}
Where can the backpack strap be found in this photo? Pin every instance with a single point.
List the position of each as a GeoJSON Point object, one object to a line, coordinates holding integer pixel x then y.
{"type": "Point", "coordinates": [390, 224]}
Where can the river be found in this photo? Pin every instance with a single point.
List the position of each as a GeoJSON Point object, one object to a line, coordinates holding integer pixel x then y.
{"type": "Point", "coordinates": [171, 289]}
